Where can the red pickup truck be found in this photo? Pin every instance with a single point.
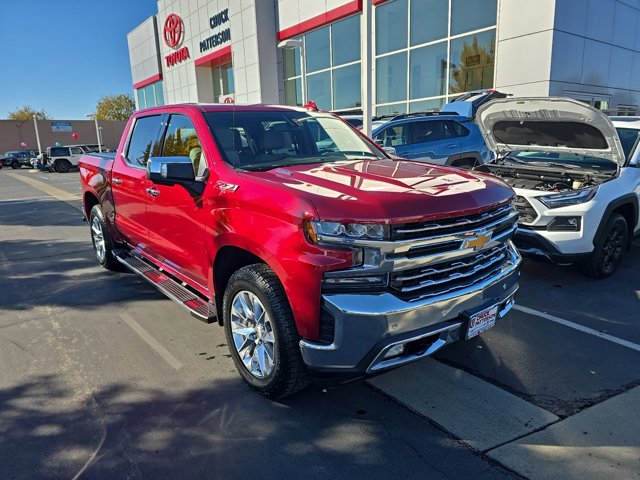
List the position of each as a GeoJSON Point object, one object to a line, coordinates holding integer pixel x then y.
{"type": "Point", "coordinates": [318, 253]}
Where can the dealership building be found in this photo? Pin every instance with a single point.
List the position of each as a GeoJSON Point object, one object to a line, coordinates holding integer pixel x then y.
{"type": "Point", "coordinates": [424, 52]}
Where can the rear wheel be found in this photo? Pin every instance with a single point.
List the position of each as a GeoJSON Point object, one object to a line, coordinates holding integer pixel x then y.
{"type": "Point", "coordinates": [63, 166]}
{"type": "Point", "coordinates": [610, 248]}
{"type": "Point", "coordinates": [261, 333]}
{"type": "Point", "coordinates": [103, 244]}
{"type": "Point", "coordinates": [15, 164]}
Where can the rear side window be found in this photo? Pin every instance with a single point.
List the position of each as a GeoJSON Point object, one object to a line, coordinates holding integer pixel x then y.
{"type": "Point", "coordinates": [144, 141]}
{"type": "Point", "coordinates": [394, 136]}
{"type": "Point", "coordinates": [59, 152]}
{"type": "Point", "coordinates": [629, 139]}
{"type": "Point", "coordinates": [454, 129]}
{"type": "Point", "coordinates": [430, 131]}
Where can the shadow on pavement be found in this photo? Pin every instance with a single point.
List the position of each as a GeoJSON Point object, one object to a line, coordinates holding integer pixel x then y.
{"type": "Point", "coordinates": [52, 430]}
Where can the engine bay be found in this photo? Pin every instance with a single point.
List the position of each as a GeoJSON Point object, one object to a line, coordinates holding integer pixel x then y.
{"type": "Point", "coordinates": [545, 179]}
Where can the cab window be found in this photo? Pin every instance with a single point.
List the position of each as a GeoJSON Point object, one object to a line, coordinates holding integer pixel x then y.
{"type": "Point", "coordinates": [76, 151]}
{"type": "Point", "coordinates": [143, 142]}
{"type": "Point", "coordinates": [181, 140]}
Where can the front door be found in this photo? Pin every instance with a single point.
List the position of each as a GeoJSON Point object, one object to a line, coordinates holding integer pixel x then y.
{"type": "Point", "coordinates": [177, 220]}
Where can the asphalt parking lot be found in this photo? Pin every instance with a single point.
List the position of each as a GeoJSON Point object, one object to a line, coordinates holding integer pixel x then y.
{"type": "Point", "coordinates": [103, 377]}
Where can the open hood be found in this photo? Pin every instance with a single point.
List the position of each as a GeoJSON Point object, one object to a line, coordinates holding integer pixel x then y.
{"type": "Point", "coordinates": [559, 125]}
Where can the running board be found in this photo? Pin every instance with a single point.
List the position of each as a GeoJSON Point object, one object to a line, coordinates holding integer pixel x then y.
{"type": "Point", "coordinates": [198, 306]}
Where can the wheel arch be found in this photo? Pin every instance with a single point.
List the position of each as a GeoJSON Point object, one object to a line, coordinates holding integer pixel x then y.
{"type": "Point", "coordinates": [89, 201]}
{"type": "Point", "coordinates": [627, 206]}
{"type": "Point", "coordinates": [473, 159]}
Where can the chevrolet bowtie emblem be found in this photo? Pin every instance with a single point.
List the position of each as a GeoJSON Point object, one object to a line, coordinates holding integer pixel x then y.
{"type": "Point", "coordinates": [478, 242]}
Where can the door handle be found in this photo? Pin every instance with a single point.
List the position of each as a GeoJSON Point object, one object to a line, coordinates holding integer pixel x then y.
{"type": "Point", "coordinates": [153, 192]}
{"type": "Point", "coordinates": [117, 181]}
{"type": "Point", "coordinates": [453, 145]}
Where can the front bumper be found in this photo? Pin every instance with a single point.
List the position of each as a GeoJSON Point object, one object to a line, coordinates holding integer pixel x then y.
{"type": "Point", "coordinates": [531, 244]}
{"type": "Point", "coordinates": [368, 325]}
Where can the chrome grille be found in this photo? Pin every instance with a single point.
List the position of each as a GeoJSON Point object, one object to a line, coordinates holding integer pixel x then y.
{"type": "Point", "coordinates": [450, 226]}
{"type": "Point", "coordinates": [446, 276]}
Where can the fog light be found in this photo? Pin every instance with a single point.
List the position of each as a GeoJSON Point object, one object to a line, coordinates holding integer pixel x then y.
{"type": "Point", "coordinates": [565, 224]}
{"type": "Point", "coordinates": [395, 351]}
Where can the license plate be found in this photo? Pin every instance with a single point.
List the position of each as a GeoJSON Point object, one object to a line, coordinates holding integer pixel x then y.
{"type": "Point", "coordinates": [481, 321]}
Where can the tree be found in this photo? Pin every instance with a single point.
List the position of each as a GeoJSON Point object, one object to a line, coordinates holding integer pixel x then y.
{"type": "Point", "coordinates": [115, 107]}
{"type": "Point", "coordinates": [27, 113]}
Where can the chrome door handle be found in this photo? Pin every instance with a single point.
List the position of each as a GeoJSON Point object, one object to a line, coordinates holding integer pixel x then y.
{"type": "Point", "coordinates": [153, 192]}
{"type": "Point", "coordinates": [117, 181]}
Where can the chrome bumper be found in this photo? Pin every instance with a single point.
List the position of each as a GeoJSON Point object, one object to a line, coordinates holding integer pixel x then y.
{"type": "Point", "coordinates": [368, 325]}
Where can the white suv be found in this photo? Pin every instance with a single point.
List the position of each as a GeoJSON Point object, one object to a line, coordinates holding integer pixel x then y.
{"type": "Point", "coordinates": [577, 188]}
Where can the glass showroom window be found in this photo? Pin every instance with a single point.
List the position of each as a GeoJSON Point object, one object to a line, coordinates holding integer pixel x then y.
{"type": "Point", "coordinates": [222, 81]}
{"type": "Point", "coordinates": [443, 47]}
{"type": "Point", "coordinates": [150, 95]}
{"type": "Point", "coordinates": [333, 67]}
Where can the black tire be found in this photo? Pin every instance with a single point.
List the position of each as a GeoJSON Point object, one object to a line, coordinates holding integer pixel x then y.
{"type": "Point", "coordinates": [610, 248]}
{"type": "Point", "coordinates": [288, 373]}
{"type": "Point", "coordinates": [62, 166]}
{"type": "Point", "coordinates": [15, 164]}
{"type": "Point", "coordinates": [96, 222]}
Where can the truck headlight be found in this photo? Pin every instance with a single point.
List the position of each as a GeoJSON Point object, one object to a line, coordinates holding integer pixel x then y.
{"type": "Point", "coordinates": [575, 197]}
{"type": "Point", "coordinates": [350, 231]}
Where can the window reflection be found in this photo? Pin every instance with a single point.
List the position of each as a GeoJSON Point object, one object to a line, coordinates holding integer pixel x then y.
{"type": "Point", "coordinates": [391, 78]}
{"type": "Point", "coordinates": [346, 87]}
{"type": "Point", "coordinates": [428, 71]}
{"type": "Point", "coordinates": [472, 62]}
{"type": "Point", "coordinates": [429, 19]}
{"type": "Point", "coordinates": [391, 26]}
{"type": "Point", "coordinates": [319, 89]}
{"type": "Point", "coordinates": [345, 41]}
{"type": "Point", "coordinates": [317, 44]}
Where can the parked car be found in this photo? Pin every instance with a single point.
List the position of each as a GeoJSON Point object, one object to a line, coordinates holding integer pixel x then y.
{"type": "Point", "coordinates": [17, 158]}
{"type": "Point", "coordinates": [434, 137]}
{"type": "Point", "coordinates": [62, 159]}
{"type": "Point", "coordinates": [578, 186]}
{"type": "Point", "coordinates": [318, 258]}
{"type": "Point", "coordinates": [468, 104]}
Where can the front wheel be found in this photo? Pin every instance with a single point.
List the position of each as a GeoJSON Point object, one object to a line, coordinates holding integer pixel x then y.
{"type": "Point", "coordinates": [63, 166]}
{"type": "Point", "coordinates": [261, 333]}
{"type": "Point", "coordinates": [15, 165]}
{"type": "Point", "coordinates": [610, 248]}
{"type": "Point", "coordinates": [102, 242]}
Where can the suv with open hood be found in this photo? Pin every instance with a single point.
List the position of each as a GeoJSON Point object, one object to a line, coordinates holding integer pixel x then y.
{"type": "Point", "coordinates": [577, 193]}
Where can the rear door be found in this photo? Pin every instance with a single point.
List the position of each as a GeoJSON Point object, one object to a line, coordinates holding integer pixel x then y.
{"type": "Point", "coordinates": [396, 136]}
{"type": "Point", "coordinates": [177, 219]}
{"type": "Point", "coordinates": [432, 140]}
{"type": "Point", "coordinates": [129, 179]}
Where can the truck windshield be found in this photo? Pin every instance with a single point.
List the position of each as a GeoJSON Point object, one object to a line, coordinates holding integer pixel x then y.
{"type": "Point", "coordinates": [262, 140]}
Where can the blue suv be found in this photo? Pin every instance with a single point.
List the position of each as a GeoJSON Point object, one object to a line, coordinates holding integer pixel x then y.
{"type": "Point", "coordinates": [434, 137]}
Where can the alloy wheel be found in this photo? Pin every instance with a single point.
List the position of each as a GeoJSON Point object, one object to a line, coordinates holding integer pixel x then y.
{"type": "Point", "coordinates": [253, 335]}
{"type": "Point", "coordinates": [613, 248]}
{"type": "Point", "coordinates": [98, 239]}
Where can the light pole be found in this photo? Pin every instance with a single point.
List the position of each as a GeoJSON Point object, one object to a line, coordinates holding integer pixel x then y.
{"type": "Point", "coordinates": [35, 122]}
{"type": "Point", "coordinates": [295, 43]}
{"type": "Point", "coordinates": [99, 137]}
{"type": "Point", "coordinates": [95, 119]}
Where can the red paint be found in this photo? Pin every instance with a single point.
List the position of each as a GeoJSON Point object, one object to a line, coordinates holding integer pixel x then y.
{"type": "Point", "coordinates": [378, 2]}
{"type": "Point", "coordinates": [354, 6]}
{"type": "Point", "coordinates": [216, 58]}
{"type": "Point", "coordinates": [173, 31]}
{"type": "Point", "coordinates": [264, 215]}
{"type": "Point", "coordinates": [148, 81]}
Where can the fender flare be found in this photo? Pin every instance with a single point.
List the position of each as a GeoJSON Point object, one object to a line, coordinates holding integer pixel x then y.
{"type": "Point", "coordinates": [471, 154]}
{"type": "Point", "coordinates": [630, 198]}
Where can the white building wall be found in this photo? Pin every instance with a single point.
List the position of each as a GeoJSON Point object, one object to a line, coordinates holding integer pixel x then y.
{"type": "Point", "coordinates": [143, 51]}
{"type": "Point", "coordinates": [524, 45]}
{"type": "Point", "coordinates": [294, 12]}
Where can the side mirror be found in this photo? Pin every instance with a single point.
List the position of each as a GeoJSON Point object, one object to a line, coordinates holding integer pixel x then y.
{"type": "Point", "coordinates": [390, 150]}
{"type": "Point", "coordinates": [173, 171]}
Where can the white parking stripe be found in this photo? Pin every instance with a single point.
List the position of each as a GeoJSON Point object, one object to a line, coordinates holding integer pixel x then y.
{"type": "Point", "coordinates": [152, 342]}
{"type": "Point", "coordinates": [580, 328]}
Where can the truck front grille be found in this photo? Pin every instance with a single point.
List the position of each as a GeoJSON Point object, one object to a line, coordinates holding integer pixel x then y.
{"type": "Point", "coordinates": [452, 275]}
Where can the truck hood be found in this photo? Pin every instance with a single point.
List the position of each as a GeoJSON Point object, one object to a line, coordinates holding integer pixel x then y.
{"type": "Point", "coordinates": [561, 125]}
{"type": "Point", "coordinates": [389, 191]}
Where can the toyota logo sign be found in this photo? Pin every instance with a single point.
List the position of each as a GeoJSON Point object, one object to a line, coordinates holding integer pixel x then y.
{"type": "Point", "coordinates": [173, 30]}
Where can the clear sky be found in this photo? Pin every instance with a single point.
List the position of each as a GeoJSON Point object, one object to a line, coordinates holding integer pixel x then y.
{"type": "Point", "coordinates": [63, 55]}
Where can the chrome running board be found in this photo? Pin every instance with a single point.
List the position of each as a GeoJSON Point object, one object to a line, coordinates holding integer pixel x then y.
{"type": "Point", "coordinates": [197, 305]}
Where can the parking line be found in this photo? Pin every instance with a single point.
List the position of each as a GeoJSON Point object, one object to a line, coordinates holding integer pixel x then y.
{"type": "Point", "coordinates": [152, 342]}
{"type": "Point", "coordinates": [580, 328]}
{"type": "Point", "coordinates": [55, 192]}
